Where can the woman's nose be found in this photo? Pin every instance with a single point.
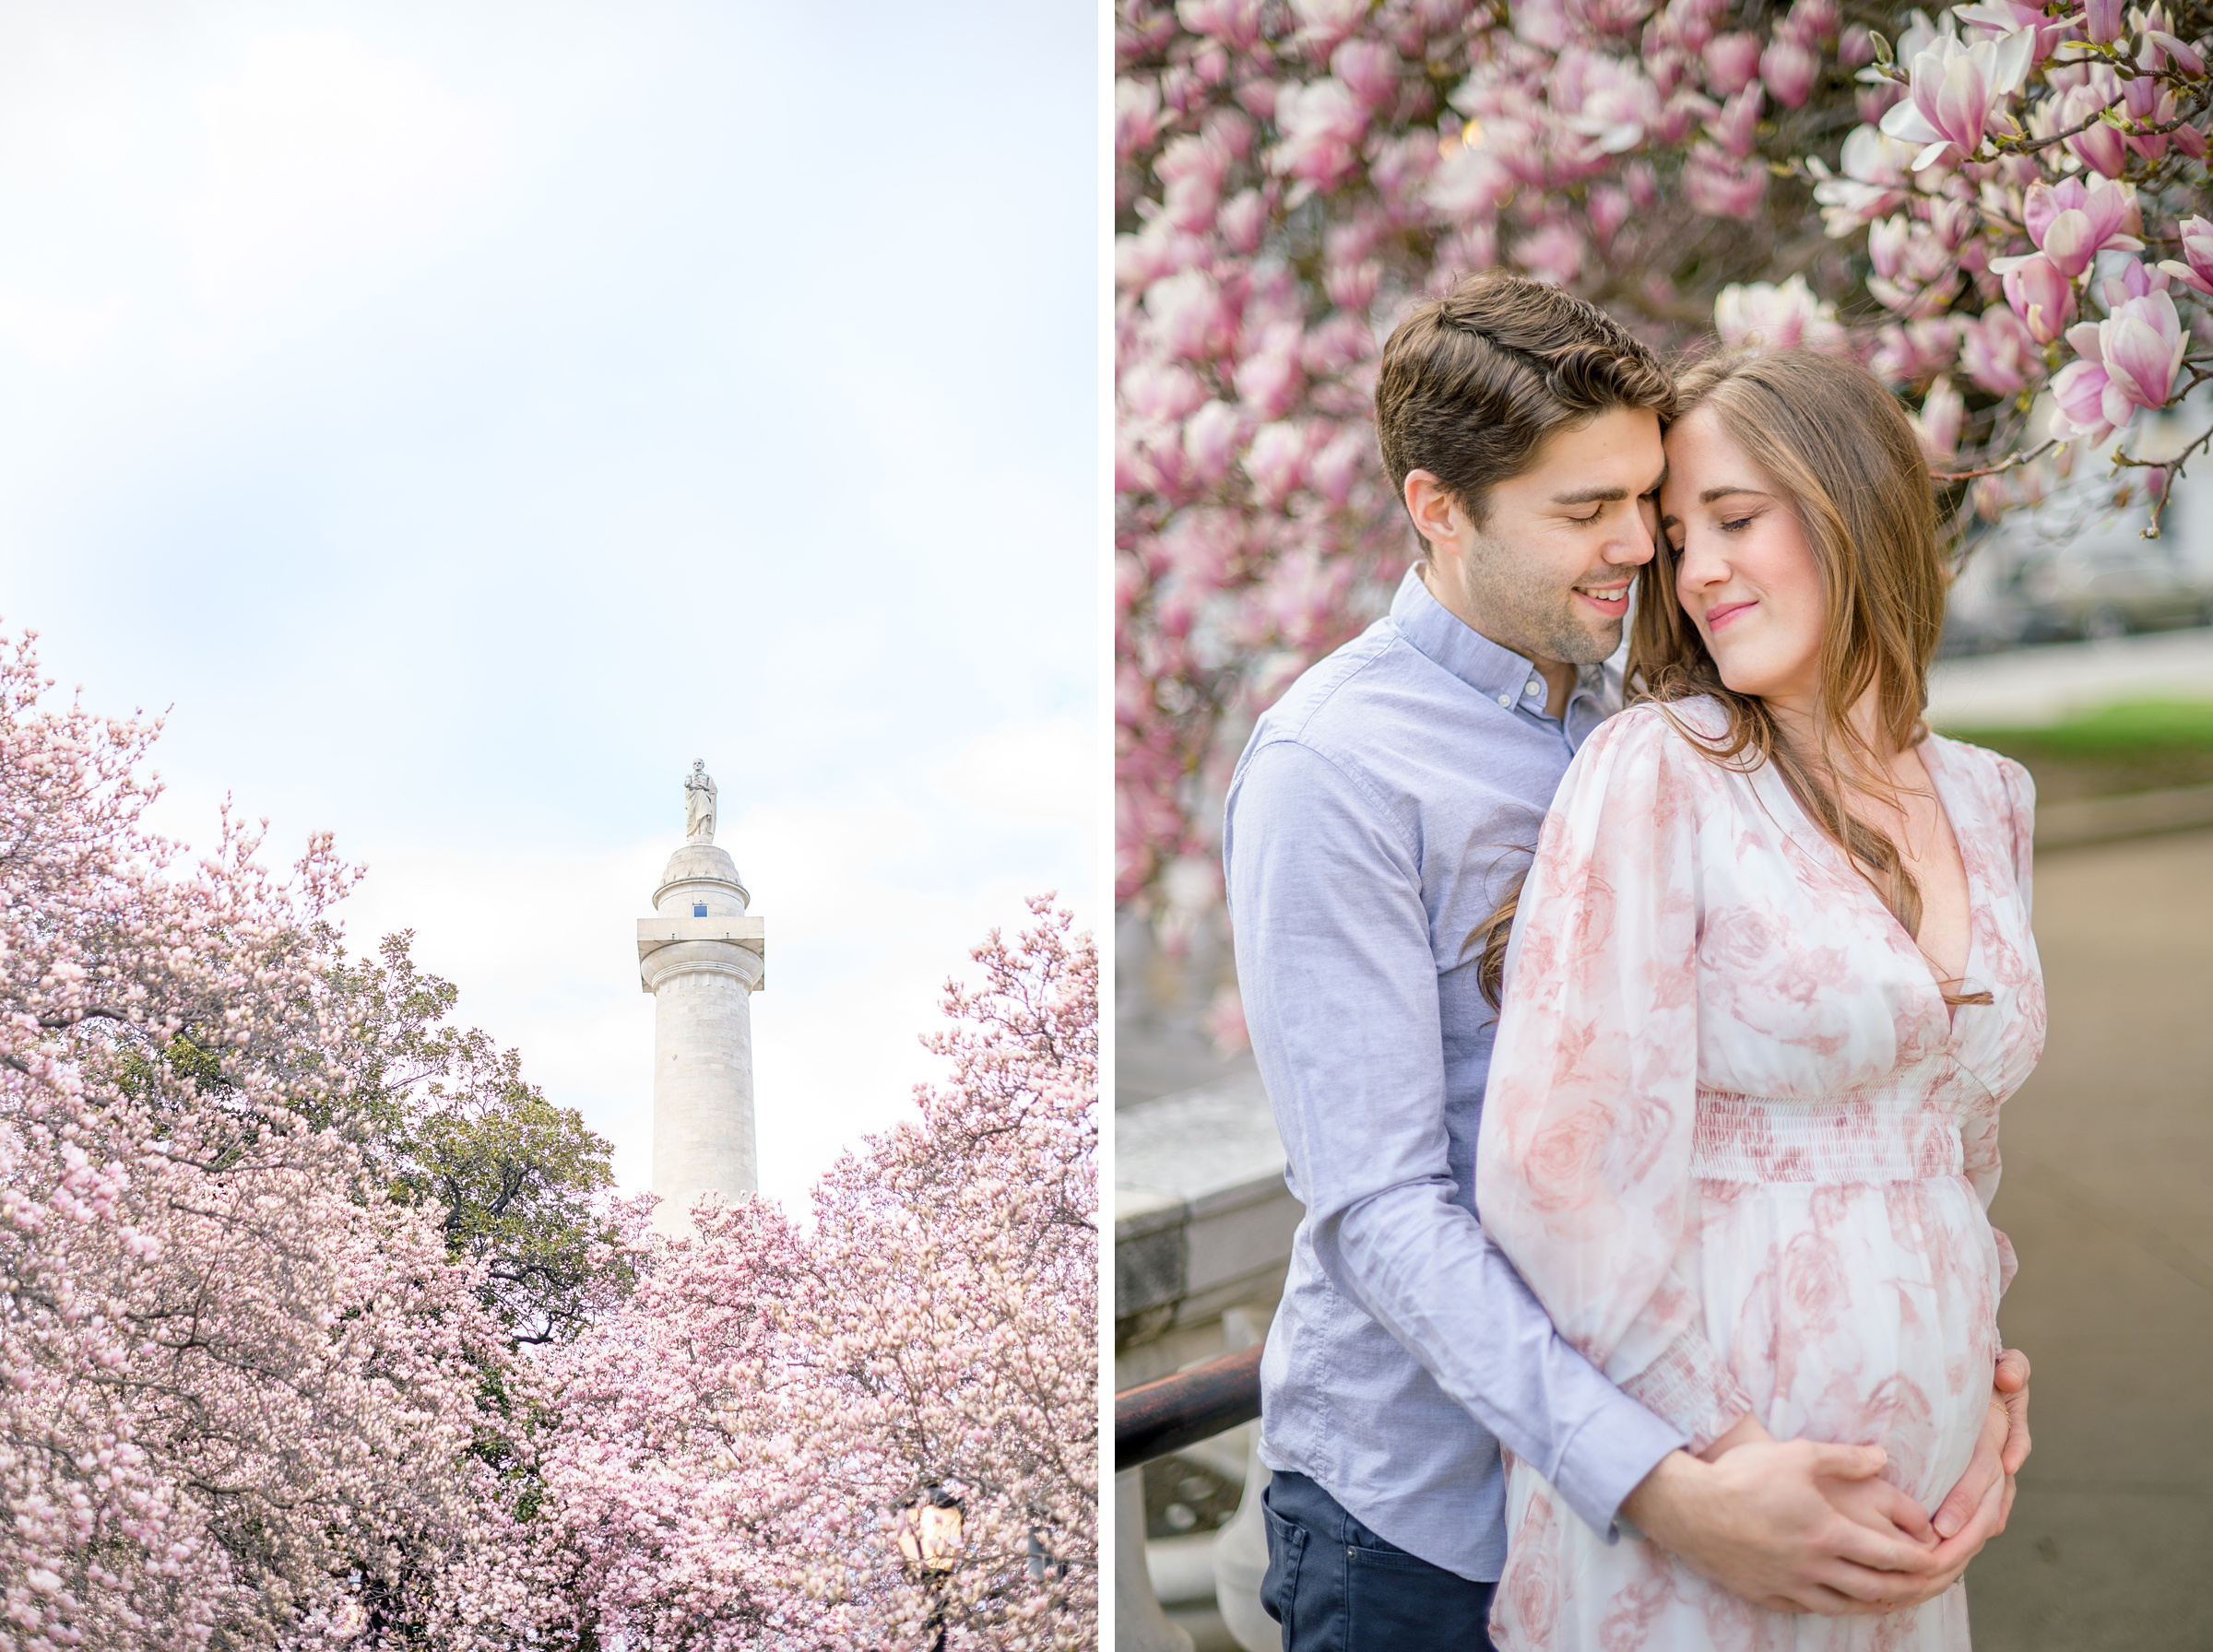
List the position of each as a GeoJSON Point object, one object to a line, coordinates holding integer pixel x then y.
{"type": "Point", "coordinates": [1698, 565]}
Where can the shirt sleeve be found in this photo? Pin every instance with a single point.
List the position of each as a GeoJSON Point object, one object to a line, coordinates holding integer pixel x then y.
{"type": "Point", "coordinates": [1583, 1161]}
{"type": "Point", "coordinates": [1340, 989]}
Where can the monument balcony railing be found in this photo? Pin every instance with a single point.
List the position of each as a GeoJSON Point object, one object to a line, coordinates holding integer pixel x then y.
{"type": "Point", "coordinates": [1203, 1224]}
{"type": "Point", "coordinates": [1161, 1417]}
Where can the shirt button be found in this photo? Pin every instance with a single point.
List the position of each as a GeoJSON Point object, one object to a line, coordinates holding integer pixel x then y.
{"type": "Point", "coordinates": [1506, 699]}
{"type": "Point", "coordinates": [1534, 689]}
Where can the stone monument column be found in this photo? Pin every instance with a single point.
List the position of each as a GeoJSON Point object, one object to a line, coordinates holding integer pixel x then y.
{"type": "Point", "coordinates": [701, 958]}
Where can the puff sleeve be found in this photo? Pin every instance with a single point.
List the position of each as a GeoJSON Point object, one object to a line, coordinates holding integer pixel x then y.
{"type": "Point", "coordinates": [1584, 1155]}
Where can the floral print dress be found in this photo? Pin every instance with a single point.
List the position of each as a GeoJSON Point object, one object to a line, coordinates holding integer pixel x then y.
{"type": "Point", "coordinates": [1740, 1148]}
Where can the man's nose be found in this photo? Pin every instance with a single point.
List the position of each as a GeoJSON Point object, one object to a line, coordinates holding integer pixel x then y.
{"type": "Point", "coordinates": [1633, 545]}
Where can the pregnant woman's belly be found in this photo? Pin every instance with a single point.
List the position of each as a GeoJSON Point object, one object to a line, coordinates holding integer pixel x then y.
{"type": "Point", "coordinates": [1858, 1312]}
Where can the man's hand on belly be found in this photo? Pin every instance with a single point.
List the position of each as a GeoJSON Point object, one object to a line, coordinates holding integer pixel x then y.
{"type": "Point", "coordinates": [1794, 1526]}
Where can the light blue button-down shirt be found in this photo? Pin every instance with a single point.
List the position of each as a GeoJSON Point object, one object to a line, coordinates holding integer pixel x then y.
{"type": "Point", "coordinates": [1375, 818]}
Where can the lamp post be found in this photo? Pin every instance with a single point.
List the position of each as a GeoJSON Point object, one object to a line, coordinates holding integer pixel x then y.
{"type": "Point", "coordinates": [929, 1540]}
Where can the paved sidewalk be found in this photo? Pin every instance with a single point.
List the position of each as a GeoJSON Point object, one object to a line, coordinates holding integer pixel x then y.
{"type": "Point", "coordinates": [2034, 686]}
{"type": "Point", "coordinates": [2107, 1196]}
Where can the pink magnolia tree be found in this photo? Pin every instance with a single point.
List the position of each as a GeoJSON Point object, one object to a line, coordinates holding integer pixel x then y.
{"type": "Point", "coordinates": [240, 1385]}
{"type": "Point", "coordinates": [1999, 210]}
{"type": "Point", "coordinates": [738, 1443]}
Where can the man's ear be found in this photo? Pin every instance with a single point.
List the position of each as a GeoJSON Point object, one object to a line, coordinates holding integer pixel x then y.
{"type": "Point", "coordinates": [1436, 514]}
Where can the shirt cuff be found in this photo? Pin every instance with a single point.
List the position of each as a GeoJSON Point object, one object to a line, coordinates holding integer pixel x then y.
{"type": "Point", "coordinates": [1608, 1457]}
{"type": "Point", "coordinates": [1690, 1387]}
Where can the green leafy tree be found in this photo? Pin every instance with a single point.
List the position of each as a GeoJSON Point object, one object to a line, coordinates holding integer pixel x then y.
{"type": "Point", "coordinates": [445, 1117]}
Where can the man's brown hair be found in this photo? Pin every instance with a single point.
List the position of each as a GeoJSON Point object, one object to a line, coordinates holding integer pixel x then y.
{"type": "Point", "coordinates": [1471, 384]}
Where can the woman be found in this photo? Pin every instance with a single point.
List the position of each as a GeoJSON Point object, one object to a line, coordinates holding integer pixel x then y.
{"type": "Point", "coordinates": [1769, 979]}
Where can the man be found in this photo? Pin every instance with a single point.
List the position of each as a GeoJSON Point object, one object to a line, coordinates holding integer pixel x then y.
{"type": "Point", "coordinates": [1381, 810]}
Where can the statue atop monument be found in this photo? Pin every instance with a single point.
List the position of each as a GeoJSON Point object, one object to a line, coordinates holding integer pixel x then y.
{"type": "Point", "coordinates": [699, 804]}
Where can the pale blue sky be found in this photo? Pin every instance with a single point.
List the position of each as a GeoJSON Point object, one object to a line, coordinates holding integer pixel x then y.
{"type": "Point", "coordinates": [464, 416]}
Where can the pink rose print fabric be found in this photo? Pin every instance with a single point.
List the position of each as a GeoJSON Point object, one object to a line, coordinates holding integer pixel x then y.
{"type": "Point", "coordinates": [1742, 1149]}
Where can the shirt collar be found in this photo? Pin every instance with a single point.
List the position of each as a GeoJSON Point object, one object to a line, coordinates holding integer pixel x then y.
{"type": "Point", "coordinates": [1444, 637]}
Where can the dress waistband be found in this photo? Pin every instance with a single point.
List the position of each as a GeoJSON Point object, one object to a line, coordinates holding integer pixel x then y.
{"type": "Point", "coordinates": [1759, 1138]}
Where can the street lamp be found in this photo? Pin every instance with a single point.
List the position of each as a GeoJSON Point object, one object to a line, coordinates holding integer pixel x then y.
{"type": "Point", "coordinates": [930, 1539]}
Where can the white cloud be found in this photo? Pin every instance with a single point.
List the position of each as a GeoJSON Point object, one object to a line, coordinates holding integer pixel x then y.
{"type": "Point", "coordinates": [323, 153]}
{"type": "Point", "coordinates": [57, 333]}
{"type": "Point", "coordinates": [1044, 773]}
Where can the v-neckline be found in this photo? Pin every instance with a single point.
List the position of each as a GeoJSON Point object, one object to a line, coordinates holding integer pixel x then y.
{"type": "Point", "coordinates": [1967, 871]}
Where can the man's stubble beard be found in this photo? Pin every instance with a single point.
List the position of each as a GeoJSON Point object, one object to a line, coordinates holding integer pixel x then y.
{"type": "Point", "coordinates": [1539, 621]}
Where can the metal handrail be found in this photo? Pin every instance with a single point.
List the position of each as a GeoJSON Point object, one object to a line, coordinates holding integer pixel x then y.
{"type": "Point", "coordinates": [1158, 1418]}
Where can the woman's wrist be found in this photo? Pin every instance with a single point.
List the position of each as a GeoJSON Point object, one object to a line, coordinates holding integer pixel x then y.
{"type": "Point", "coordinates": [1746, 1431]}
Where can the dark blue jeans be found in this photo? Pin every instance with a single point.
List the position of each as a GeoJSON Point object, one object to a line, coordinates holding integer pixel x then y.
{"type": "Point", "coordinates": [1336, 1587]}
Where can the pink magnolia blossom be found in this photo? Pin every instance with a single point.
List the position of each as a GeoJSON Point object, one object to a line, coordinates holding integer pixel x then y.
{"type": "Point", "coordinates": [1243, 220]}
{"type": "Point", "coordinates": [1736, 128]}
{"type": "Point", "coordinates": [1370, 69]}
{"type": "Point", "coordinates": [1469, 182]}
{"type": "Point", "coordinates": [1789, 71]}
{"type": "Point", "coordinates": [1762, 315]}
{"type": "Point", "coordinates": [1872, 180]}
{"type": "Point", "coordinates": [1913, 352]}
{"type": "Point", "coordinates": [2101, 20]}
{"type": "Point", "coordinates": [2097, 146]}
{"type": "Point", "coordinates": [2086, 406]}
{"type": "Point", "coordinates": [2041, 296]}
{"type": "Point", "coordinates": [1604, 99]}
{"type": "Point", "coordinates": [1732, 62]}
{"type": "Point", "coordinates": [1234, 23]}
{"type": "Point", "coordinates": [1887, 242]}
{"type": "Point", "coordinates": [1136, 115]}
{"type": "Point", "coordinates": [1608, 210]}
{"type": "Point", "coordinates": [1722, 186]}
{"type": "Point", "coordinates": [1321, 123]}
{"type": "Point", "coordinates": [1339, 466]}
{"type": "Point", "coordinates": [1553, 254]}
{"type": "Point", "coordinates": [1277, 464]}
{"type": "Point", "coordinates": [1271, 379]}
{"type": "Point", "coordinates": [221, 1320]}
{"type": "Point", "coordinates": [1192, 168]}
{"type": "Point", "coordinates": [1943, 414]}
{"type": "Point", "coordinates": [2002, 17]}
{"type": "Point", "coordinates": [2133, 279]}
{"type": "Point", "coordinates": [1162, 390]}
{"type": "Point", "coordinates": [2139, 345]}
{"type": "Point", "coordinates": [1954, 88]}
{"type": "Point", "coordinates": [2162, 50]}
{"type": "Point", "coordinates": [1325, 22]}
{"type": "Point", "coordinates": [1997, 351]}
{"type": "Point", "coordinates": [2107, 210]}
{"type": "Point", "coordinates": [1596, 143]}
{"type": "Point", "coordinates": [1209, 441]}
{"type": "Point", "coordinates": [1187, 314]}
{"type": "Point", "coordinates": [735, 1446]}
{"type": "Point", "coordinates": [2195, 269]}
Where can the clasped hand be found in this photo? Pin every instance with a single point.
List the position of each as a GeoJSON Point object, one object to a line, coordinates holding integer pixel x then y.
{"type": "Point", "coordinates": [1801, 1526]}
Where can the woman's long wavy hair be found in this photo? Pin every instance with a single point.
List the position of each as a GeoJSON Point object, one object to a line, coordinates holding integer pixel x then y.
{"type": "Point", "coordinates": [1846, 459]}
